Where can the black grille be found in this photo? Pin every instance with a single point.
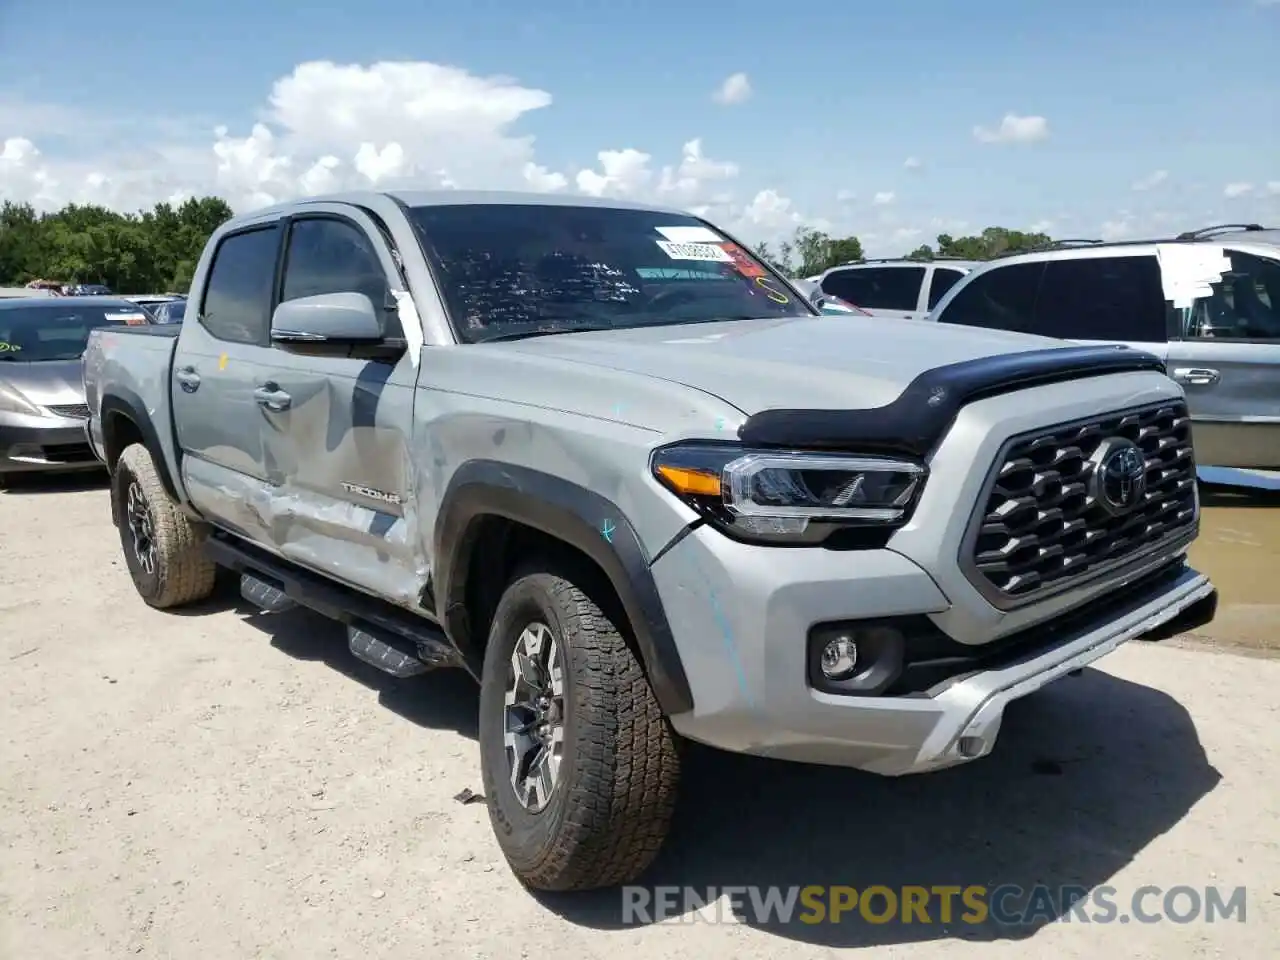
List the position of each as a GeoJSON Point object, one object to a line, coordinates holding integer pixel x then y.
{"type": "Point", "coordinates": [1043, 526]}
{"type": "Point", "coordinates": [78, 410]}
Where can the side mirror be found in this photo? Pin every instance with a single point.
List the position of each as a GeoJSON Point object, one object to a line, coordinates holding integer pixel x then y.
{"type": "Point", "coordinates": [338, 319]}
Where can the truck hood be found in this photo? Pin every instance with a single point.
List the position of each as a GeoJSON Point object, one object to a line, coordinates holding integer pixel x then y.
{"type": "Point", "coordinates": [45, 383]}
{"type": "Point", "coordinates": [819, 362]}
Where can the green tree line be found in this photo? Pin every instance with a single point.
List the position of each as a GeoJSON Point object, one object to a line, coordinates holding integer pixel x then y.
{"type": "Point", "coordinates": [152, 251]}
{"type": "Point", "coordinates": [808, 252]}
{"type": "Point", "coordinates": [156, 250]}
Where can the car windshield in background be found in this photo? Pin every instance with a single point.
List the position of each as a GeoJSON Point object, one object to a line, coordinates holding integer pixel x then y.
{"type": "Point", "coordinates": [59, 331]}
{"type": "Point", "coordinates": [524, 269]}
{"type": "Point", "coordinates": [171, 312]}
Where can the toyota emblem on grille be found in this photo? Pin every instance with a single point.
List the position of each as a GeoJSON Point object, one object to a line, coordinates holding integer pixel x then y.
{"type": "Point", "coordinates": [1119, 478]}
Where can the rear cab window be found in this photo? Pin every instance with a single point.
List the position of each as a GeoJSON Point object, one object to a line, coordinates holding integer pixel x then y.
{"type": "Point", "coordinates": [508, 270]}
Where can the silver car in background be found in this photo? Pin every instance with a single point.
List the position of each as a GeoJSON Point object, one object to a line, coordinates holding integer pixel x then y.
{"type": "Point", "coordinates": [1206, 302]}
{"type": "Point", "coordinates": [42, 405]}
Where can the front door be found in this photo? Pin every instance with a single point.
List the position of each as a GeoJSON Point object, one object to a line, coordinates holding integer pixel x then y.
{"type": "Point", "coordinates": [337, 430]}
{"type": "Point", "coordinates": [215, 370]}
{"type": "Point", "coordinates": [1226, 355]}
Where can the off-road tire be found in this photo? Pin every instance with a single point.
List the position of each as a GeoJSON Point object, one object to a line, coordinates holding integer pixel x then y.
{"type": "Point", "coordinates": [183, 574]}
{"type": "Point", "coordinates": [612, 805]}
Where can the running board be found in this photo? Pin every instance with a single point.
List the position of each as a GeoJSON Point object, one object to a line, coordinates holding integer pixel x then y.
{"type": "Point", "coordinates": [387, 652]}
{"type": "Point", "coordinates": [267, 597]}
{"type": "Point", "coordinates": [377, 632]}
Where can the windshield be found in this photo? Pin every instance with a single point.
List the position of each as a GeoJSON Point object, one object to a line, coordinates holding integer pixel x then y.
{"type": "Point", "coordinates": [57, 331]}
{"type": "Point", "coordinates": [523, 269]}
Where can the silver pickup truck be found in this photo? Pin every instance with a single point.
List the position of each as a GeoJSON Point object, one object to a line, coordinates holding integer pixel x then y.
{"type": "Point", "coordinates": [604, 459]}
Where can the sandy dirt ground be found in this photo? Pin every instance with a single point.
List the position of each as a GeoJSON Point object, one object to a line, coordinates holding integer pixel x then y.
{"type": "Point", "coordinates": [217, 784]}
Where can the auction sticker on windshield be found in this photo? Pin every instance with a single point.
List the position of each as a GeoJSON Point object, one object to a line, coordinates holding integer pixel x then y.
{"type": "Point", "coordinates": [741, 262]}
{"type": "Point", "coordinates": [694, 251]}
{"type": "Point", "coordinates": [689, 234]}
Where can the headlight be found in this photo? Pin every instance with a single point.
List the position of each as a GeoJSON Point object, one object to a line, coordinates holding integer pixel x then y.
{"type": "Point", "coordinates": [13, 402]}
{"type": "Point", "coordinates": [788, 497]}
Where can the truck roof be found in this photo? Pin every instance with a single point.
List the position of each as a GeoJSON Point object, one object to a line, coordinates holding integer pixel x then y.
{"type": "Point", "coordinates": [430, 198]}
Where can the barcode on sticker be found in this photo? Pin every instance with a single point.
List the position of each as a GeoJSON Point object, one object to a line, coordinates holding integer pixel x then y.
{"type": "Point", "coordinates": [694, 251]}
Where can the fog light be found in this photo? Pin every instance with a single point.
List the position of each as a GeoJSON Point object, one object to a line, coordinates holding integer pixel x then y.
{"type": "Point", "coordinates": [839, 658]}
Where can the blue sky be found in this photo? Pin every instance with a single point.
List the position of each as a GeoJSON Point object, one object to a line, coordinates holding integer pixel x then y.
{"type": "Point", "coordinates": [123, 98]}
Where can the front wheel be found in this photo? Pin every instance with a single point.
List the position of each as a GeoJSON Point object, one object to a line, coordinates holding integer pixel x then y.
{"type": "Point", "coordinates": [580, 767]}
{"type": "Point", "coordinates": [163, 548]}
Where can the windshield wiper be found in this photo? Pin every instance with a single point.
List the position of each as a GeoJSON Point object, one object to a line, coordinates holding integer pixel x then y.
{"type": "Point", "coordinates": [526, 334]}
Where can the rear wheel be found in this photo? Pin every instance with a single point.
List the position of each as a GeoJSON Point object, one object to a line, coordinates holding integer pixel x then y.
{"type": "Point", "coordinates": [580, 767]}
{"type": "Point", "coordinates": [163, 548]}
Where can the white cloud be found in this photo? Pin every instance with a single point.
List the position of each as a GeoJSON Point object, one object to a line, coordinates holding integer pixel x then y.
{"type": "Point", "coordinates": [622, 173]}
{"type": "Point", "coordinates": [883, 198]}
{"type": "Point", "coordinates": [845, 196]}
{"type": "Point", "coordinates": [1014, 129]}
{"type": "Point", "coordinates": [1151, 180]}
{"type": "Point", "coordinates": [1233, 190]}
{"type": "Point", "coordinates": [1273, 186]}
{"type": "Point", "coordinates": [772, 213]}
{"type": "Point", "coordinates": [912, 163]}
{"type": "Point", "coordinates": [329, 127]}
{"type": "Point", "coordinates": [736, 88]}
{"type": "Point", "coordinates": [1123, 226]}
{"type": "Point", "coordinates": [1041, 226]}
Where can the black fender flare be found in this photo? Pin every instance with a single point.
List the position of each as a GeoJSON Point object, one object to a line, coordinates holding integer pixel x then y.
{"type": "Point", "coordinates": [125, 402]}
{"type": "Point", "coordinates": [577, 517]}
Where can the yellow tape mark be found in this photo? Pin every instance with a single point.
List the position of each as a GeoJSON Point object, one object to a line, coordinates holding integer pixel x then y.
{"type": "Point", "coordinates": [222, 361]}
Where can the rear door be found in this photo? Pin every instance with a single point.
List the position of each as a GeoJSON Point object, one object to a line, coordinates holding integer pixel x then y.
{"type": "Point", "coordinates": [884, 291]}
{"type": "Point", "coordinates": [215, 370]}
{"type": "Point", "coordinates": [1226, 354]}
{"type": "Point", "coordinates": [337, 429]}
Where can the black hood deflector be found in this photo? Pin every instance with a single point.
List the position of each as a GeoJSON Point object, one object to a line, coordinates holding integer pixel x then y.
{"type": "Point", "coordinates": [915, 422]}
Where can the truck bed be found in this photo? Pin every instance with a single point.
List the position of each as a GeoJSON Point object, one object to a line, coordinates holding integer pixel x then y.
{"type": "Point", "coordinates": [136, 364]}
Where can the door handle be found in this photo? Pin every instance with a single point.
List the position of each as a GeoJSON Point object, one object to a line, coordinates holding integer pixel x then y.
{"type": "Point", "coordinates": [187, 378]}
{"type": "Point", "coordinates": [270, 396]}
{"type": "Point", "coordinates": [1199, 376]}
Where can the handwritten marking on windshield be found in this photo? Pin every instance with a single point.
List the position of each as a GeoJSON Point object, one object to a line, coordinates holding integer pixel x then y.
{"type": "Point", "coordinates": [777, 296]}
{"type": "Point", "coordinates": [9, 347]}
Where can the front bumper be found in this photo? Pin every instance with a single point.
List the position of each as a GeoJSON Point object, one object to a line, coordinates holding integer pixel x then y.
{"type": "Point", "coordinates": [44, 444]}
{"type": "Point", "coordinates": [742, 639]}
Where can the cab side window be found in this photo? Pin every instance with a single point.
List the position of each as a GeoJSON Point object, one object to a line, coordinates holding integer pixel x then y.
{"type": "Point", "coordinates": [237, 295]}
{"type": "Point", "coordinates": [328, 255]}
{"type": "Point", "coordinates": [1244, 304]}
{"type": "Point", "coordinates": [1001, 298]}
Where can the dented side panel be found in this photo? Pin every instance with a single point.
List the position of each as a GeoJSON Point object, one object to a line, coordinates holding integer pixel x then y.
{"type": "Point", "coordinates": [338, 464]}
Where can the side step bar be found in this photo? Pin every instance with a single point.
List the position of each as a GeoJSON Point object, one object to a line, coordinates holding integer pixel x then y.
{"type": "Point", "coordinates": [377, 632]}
